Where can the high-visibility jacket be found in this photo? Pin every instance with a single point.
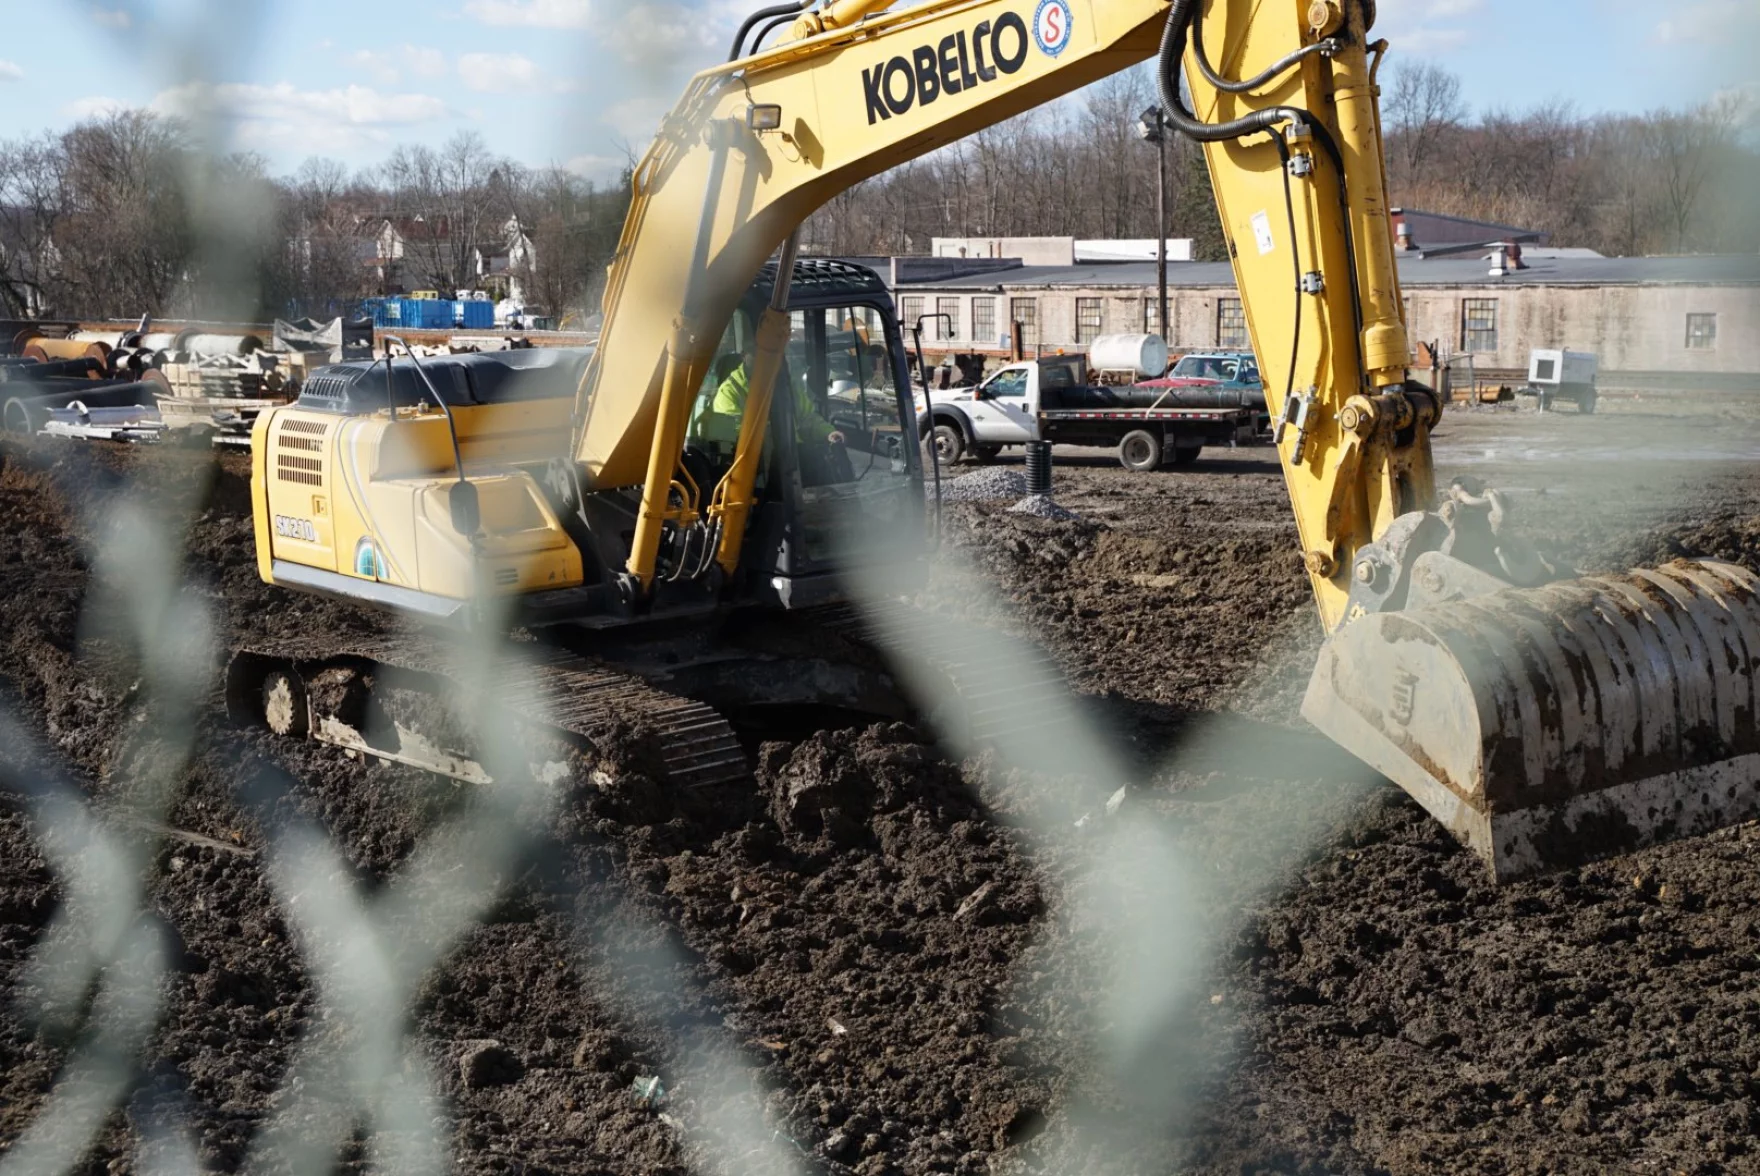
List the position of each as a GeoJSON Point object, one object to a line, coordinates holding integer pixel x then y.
{"type": "Point", "coordinates": [809, 426]}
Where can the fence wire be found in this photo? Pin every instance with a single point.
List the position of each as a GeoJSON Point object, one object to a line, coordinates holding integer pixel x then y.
{"type": "Point", "coordinates": [96, 982]}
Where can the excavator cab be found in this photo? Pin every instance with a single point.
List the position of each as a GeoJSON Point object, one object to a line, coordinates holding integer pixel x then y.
{"type": "Point", "coordinates": [837, 460]}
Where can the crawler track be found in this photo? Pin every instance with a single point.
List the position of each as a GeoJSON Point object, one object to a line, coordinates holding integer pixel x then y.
{"type": "Point", "coordinates": [541, 687]}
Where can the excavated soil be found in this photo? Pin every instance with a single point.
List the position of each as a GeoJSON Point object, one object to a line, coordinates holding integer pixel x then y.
{"type": "Point", "coordinates": [897, 963]}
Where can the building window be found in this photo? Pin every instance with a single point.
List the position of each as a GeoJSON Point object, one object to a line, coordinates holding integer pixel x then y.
{"type": "Point", "coordinates": [1478, 325]}
{"type": "Point", "coordinates": [1701, 332]}
{"type": "Point", "coordinates": [1152, 316]}
{"type": "Point", "coordinates": [1231, 325]}
{"type": "Point", "coordinates": [1025, 311]}
{"type": "Point", "coordinates": [946, 319]}
{"type": "Point", "coordinates": [1089, 312]}
{"type": "Point", "coordinates": [910, 309]}
{"type": "Point", "coordinates": [984, 321]}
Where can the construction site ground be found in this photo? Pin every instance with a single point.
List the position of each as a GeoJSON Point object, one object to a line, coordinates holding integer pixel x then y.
{"type": "Point", "coordinates": [906, 978]}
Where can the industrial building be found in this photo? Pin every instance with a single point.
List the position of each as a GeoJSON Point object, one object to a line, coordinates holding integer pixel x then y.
{"type": "Point", "coordinates": [1688, 322]}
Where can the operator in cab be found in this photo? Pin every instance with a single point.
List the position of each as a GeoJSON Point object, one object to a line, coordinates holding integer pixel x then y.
{"type": "Point", "coordinates": [819, 445]}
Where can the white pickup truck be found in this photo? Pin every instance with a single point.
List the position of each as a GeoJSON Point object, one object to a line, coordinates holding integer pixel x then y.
{"type": "Point", "coordinates": [1050, 399]}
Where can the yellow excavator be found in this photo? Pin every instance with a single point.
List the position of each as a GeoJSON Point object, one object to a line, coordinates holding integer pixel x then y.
{"type": "Point", "coordinates": [744, 424]}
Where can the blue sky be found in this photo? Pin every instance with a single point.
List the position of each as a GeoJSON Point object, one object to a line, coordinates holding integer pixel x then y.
{"type": "Point", "coordinates": [576, 82]}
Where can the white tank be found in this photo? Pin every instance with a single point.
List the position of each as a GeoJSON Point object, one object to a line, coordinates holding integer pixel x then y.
{"type": "Point", "coordinates": [1146, 355]}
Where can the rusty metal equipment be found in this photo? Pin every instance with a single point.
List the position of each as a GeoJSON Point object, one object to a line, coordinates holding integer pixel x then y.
{"type": "Point", "coordinates": [45, 348]}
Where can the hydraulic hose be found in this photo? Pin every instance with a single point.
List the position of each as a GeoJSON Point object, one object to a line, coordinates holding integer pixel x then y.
{"type": "Point", "coordinates": [1173, 109]}
{"type": "Point", "coordinates": [1329, 45]}
{"type": "Point", "coordinates": [778, 22]}
{"type": "Point", "coordinates": [775, 10]}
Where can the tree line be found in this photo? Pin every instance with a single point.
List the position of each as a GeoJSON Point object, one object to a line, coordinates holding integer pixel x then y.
{"type": "Point", "coordinates": [1669, 181]}
{"type": "Point", "coordinates": [125, 214]}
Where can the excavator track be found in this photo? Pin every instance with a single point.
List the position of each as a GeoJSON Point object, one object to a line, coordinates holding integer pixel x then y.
{"type": "Point", "coordinates": [546, 689]}
{"type": "Point", "coordinates": [987, 701]}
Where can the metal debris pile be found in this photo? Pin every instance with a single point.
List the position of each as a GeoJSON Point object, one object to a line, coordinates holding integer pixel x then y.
{"type": "Point", "coordinates": [143, 384]}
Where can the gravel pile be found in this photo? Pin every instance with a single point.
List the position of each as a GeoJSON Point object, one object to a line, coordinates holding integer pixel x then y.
{"type": "Point", "coordinates": [1042, 506]}
{"type": "Point", "coordinates": [995, 482]}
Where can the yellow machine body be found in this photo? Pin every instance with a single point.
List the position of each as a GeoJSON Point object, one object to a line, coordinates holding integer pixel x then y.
{"type": "Point", "coordinates": [365, 498]}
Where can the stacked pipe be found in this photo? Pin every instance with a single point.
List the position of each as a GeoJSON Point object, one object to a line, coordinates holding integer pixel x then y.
{"type": "Point", "coordinates": [21, 369]}
{"type": "Point", "coordinates": [29, 411]}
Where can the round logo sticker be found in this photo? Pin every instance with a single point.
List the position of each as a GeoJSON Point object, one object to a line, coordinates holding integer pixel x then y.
{"type": "Point", "coordinates": [1051, 26]}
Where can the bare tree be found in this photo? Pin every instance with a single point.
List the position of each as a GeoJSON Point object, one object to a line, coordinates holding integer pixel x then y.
{"type": "Point", "coordinates": [1423, 108]}
{"type": "Point", "coordinates": [448, 206]}
{"type": "Point", "coordinates": [1687, 148]}
{"type": "Point", "coordinates": [32, 200]}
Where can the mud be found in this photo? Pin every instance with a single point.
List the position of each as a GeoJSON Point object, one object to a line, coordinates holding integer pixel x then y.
{"type": "Point", "coordinates": [891, 946]}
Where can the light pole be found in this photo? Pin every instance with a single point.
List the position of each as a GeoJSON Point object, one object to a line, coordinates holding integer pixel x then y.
{"type": "Point", "coordinates": [1152, 128]}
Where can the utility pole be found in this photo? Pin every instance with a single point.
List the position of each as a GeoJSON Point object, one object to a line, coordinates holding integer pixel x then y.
{"type": "Point", "coordinates": [1152, 128]}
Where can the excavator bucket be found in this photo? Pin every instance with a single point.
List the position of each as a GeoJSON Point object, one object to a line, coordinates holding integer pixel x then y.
{"type": "Point", "coordinates": [1551, 726]}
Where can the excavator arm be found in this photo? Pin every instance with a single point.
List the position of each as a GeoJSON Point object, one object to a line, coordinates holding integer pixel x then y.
{"type": "Point", "coordinates": [1541, 720]}
{"type": "Point", "coordinates": [755, 146]}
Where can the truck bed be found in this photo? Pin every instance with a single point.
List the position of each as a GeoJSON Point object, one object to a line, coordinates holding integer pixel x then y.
{"type": "Point", "coordinates": [1136, 399]}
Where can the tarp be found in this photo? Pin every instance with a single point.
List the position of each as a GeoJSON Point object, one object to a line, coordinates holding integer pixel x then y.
{"type": "Point", "coordinates": [339, 339]}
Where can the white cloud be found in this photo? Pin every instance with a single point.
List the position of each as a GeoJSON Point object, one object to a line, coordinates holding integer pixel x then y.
{"type": "Point", "coordinates": [1426, 27]}
{"type": "Point", "coordinates": [1426, 42]}
{"type": "Point", "coordinates": [10, 72]}
{"type": "Point", "coordinates": [662, 34]}
{"type": "Point", "coordinates": [1708, 22]}
{"type": "Point", "coordinates": [636, 119]}
{"type": "Point", "coordinates": [81, 109]}
{"type": "Point", "coordinates": [498, 73]}
{"type": "Point", "coordinates": [543, 14]}
{"type": "Point", "coordinates": [424, 63]}
{"type": "Point", "coordinates": [281, 116]}
{"type": "Point", "coordinates": [387, 66]}
{"type": "Point", "coordinates": [1412, 11]}
{"type": "Point", "coordinates": [376, 65]}
{"type": "Point", "coordinates": [112, 18]}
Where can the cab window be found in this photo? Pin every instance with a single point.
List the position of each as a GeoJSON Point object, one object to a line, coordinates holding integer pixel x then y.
{"type": "Point", "coordinates": [1008, 385]}
{"type": "Point", "coordinates": [858, 394]}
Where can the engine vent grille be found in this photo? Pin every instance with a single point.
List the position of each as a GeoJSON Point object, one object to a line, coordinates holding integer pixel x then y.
{"type": "Point", "coordinates": [307, 471]}
{"type": "Point", "coordinates": [300, 437]}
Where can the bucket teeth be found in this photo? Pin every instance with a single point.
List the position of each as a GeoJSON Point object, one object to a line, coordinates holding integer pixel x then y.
{"type": "Point", "coordinates": [1551, 726]}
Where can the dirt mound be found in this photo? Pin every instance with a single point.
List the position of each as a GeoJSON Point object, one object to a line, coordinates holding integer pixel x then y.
{"type": "Point", "coordinates": [861, 950]}
{"type": "Point", "coordinates": [825, 793]}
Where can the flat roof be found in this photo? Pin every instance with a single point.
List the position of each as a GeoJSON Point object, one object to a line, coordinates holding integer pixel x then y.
{"type": "Point", "coordinates": [1473, 270]}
